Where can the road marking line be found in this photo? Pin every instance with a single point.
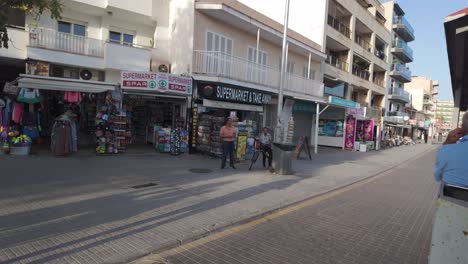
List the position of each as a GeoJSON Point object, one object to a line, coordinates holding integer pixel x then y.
{"type": "Point", "coordinates": [161, 258]}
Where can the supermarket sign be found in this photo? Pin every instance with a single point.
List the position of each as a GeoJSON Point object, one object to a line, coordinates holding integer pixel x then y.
{"type": "Point", "coordinates": [160, 82]}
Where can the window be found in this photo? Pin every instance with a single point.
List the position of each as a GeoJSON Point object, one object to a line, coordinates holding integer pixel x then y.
{"type": "Point", "coordinates": [71, 28]}
{"type": "Point", "coordinates": [218, 42]}
{"type": "Point", "coordinates": [217, 57]}
{"type": "Point", "coordinates": [305, 75]}
{"type": "Point", "coordinates": [289, 67]}
{"type": "Point", "coordinates": [257, 70]}
{"type": "Point", "coordinates": [121, 38]}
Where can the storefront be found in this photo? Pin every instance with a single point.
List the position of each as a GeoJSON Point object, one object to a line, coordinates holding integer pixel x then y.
{"type": "Point", "coordinates": [214, 103]}
{"type": "Point", "coordinates": [54, 113]}
{"type": "Point", "coordinates": [343, 124]}
{"type": "Point", "coordinates": [156, 105]}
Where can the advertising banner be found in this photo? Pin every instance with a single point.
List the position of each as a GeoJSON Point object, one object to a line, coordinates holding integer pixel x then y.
{"type": "Point", "coordinates": [350, 133]}
{"type": "Point", "coordinates": [160, 82]}
{"type": "Point", "coordinates": [369, 130]}
{"type": "Point", "coordinates": [233, 94]}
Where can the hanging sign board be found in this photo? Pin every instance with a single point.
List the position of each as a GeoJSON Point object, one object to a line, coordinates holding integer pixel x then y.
{"type": "Point", "coordinates": [233, 94]}
{"type": "Point", "coordinates": [342, 102]}
{"type": "Point", "coordinates": [160, 82]}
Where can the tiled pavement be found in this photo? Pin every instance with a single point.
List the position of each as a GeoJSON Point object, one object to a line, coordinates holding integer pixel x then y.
{"type": "Point", "coordinates": [81, 209]}
{"type": "Point", "coordinates": [385, 221]}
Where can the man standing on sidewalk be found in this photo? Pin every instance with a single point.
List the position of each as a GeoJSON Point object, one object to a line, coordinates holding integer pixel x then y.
{"type": "Point", "coordinates": [266, 140]}
{"type": "Point", "coordinates": [451, 163]}
{"type": "Point", "coordinates": [228, 135]}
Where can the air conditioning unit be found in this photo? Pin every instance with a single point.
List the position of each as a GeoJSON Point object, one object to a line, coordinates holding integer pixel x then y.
{"type": "Point", "coordinates": [160, 66]}
{"type": "Point", "coordinates": [89, 74]}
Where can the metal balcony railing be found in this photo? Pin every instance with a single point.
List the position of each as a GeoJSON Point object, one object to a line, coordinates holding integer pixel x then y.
{"type": "Point", "coordinates": [224, 65]}
{"type": "Point", "coordinates": [340, 27]}
{"type": "Point", "coordinates": [374, 112]}
{"type": "Point", "coordinates": [55, 40]}
{"type": "Point", "coordinates": [361, 73]}
{"type": "Point", "coordinates": [334, 61]}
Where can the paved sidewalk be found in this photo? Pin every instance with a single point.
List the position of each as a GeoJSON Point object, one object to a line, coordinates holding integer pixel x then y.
{"type": "Point", "coordinates": [83, 209]}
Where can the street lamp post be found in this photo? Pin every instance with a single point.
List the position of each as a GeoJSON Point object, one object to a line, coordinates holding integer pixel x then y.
{"type": "Point", "coordinates": [284, 64]}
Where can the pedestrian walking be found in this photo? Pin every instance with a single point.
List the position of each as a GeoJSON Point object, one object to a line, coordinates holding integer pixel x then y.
{"type": "Point", "coordinates": [228, 136]}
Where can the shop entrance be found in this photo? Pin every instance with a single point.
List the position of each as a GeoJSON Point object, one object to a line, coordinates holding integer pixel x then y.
{"type": "Point", "coordinates": [153, 118]}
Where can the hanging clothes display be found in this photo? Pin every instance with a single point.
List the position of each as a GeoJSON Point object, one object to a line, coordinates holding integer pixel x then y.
{"type": "Point", "coordinates": [17, 112]}
{"type": "Point", "coordinates": [64, 135]}
{"type": "Point", "coordinates": [29, 96]}
{"type": "Point", "coordinates": [72, 97]}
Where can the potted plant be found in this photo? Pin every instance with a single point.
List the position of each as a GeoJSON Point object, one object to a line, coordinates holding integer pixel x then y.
{"type": "Point", "coordinates": [20, 145]}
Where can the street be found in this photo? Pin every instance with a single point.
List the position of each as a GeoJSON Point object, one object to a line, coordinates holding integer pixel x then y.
{"type": "Point", "coordinates": [84, 209]}
{"type": "Point", "coordinates": [386, 220]}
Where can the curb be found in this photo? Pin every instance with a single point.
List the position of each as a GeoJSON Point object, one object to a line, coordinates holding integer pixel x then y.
{"type": "Point", "coordinates": [172, 245]}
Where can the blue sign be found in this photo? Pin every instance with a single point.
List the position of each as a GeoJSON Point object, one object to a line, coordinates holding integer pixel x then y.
{"type": "Point", "coordinates": [342, 102]}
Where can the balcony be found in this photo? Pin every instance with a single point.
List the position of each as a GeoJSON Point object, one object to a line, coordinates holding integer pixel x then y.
{"type": "Point", "coordinates": [397, 113]}
{"type": "Point", "coordinates": [53, 40]}
{"type": "Point", "coordinates": [401, 73]}
{"type": "Point", "coordinates": [218, 64]}
{"type": "Point", "coordinates": [17, 45]}
{"type": "Point", "coordinates": [380, 54]}
{"type": "Point", "coordinates": [401, 50]}
{"type": "Point", "coordinates": [335, 62]}
{"type": "Point", "coordinates": [399, 94]}
{"type": "Point", "coordinates": [361, 73]}
{"type": "Point", "coordinates": [63, 48]}
{"type": "Point", "coordinates": [363, 43]}
{"type": "Point", "coordinates": [403, 28]}
{"type": "Point", "coordinates": [379, 81]}
{"type": "Point", "coordinates": [374, 113]}
{"type": "Point", "coordinates": [430, 113]}
{"type": "Point", "coordinates": [340, 27]}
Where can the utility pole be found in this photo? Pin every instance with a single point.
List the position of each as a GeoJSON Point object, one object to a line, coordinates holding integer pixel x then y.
{"type": "Point", "coordinates": [284, 64]}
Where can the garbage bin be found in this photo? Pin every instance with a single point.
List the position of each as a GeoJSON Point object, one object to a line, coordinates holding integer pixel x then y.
{"type": "Point", "coordinates": [282, 158]}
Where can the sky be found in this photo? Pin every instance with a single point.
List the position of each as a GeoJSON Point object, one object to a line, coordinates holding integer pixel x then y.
{"type": "Point", "coordinates": [429, 47]}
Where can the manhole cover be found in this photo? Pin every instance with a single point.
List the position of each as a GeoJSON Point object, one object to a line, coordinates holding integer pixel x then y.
{"type": "Point", "coordinates": [195, 170]}
{"type": "Point", "coordinates": [144, 185]}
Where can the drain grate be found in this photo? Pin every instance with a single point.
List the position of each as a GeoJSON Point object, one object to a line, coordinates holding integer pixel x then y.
{"type": "Point", "coordinates": [144, 185]}
{"type": "Point", "coordinates": [199, 170]}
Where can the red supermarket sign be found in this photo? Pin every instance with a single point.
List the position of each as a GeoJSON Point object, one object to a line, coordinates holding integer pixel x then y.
{"type": "Point", "coordinates": [161, 82]}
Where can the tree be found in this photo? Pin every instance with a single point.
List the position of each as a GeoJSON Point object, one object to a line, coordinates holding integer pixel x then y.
{"type": "Point", "coordinates": [33, 7]}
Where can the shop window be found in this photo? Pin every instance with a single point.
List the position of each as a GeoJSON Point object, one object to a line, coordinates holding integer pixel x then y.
{"type": "Point", "coordinates": [71, 28]}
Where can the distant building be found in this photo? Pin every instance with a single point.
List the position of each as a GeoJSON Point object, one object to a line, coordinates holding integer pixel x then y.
{"type": "Point", "coordinates": [423, 91]}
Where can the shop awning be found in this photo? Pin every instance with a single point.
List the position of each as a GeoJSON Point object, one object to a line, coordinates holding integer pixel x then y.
{"type": "Point", "coordinates": [62, 84]}
{"type": "Point", "coordinates": [232, 106]}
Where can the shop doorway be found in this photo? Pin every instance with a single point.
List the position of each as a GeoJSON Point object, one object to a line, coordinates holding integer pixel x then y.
{"type": "Point", "coordinates": [152, 118]}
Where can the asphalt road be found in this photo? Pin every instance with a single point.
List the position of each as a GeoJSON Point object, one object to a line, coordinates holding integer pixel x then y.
{"type": "Point", "coordinates": [383, 220]}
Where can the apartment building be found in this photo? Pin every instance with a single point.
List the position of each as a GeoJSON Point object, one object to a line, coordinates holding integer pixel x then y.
{"type": "Point", "coordinates": [357, 43]}
{"type": "Point", "coordinates": [237, 50]}
{"type": "Point", "coordinates": [423, 91]}
{"type": "Point", "coordinates": [401, 54]}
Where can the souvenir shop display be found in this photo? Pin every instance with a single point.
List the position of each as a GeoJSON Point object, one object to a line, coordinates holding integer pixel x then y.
{"type": "Point", "coordinates": [179, 141]}
{"type": "Point", "coordinates": [208, 139]}
{"type": "Point", "coordinates": [105, 135]}
{"type": "Point", "coordinates": [123, 135]}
